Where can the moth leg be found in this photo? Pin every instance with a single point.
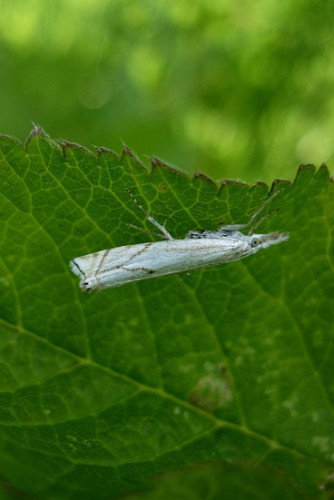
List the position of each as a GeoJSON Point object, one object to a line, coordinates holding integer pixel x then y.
{"type": "Point", "coordinates": [259, 222]}
{"type": "Point", "coordinates": [142, 230]}
{"type": "Point", "coordinates": [163, 230]}
{"type": "Point", "coordinates": [238, 227]}
{"type": "Point", "coordinates": [155, 223]}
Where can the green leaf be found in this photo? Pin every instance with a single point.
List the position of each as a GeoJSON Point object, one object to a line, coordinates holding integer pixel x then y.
{"type": "Point", "coordinates": [228, 365]}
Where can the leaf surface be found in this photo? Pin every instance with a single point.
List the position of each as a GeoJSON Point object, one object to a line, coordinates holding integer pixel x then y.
{"type": "Point", "coordinates": [228, 365]}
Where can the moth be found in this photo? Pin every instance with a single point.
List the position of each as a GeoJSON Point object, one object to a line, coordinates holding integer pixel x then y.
{"type": "Point", "coordinates": [199, 249]}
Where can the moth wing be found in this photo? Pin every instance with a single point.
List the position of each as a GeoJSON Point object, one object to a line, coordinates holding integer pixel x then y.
{"type": "Point", "coordinates": [91, 264]}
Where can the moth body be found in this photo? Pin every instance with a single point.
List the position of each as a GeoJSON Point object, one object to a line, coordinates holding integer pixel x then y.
{"type": "Point", "coordinates": [121, 265]}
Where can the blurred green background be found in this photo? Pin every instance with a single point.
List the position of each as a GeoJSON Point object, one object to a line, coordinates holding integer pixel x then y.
{"type": "Point", "coordinates": [237, 89]}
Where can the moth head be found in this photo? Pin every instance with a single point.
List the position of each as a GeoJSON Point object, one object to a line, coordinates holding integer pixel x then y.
{"type": "Point", "coordinates": [255, 241]}
{"type": "Point", "coordinates": [258, 241]}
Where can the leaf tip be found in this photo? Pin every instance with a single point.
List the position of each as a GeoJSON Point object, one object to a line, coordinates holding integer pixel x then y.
{"type": "Point", "coordinates": [102, 150]}
{"type": "Point", "coordinates": [128, 153]}
{"type": "Point", "coordinates": [304, 167]}
{"type": "Point", "coordinates": [38, 132]}
{"type": "Point", "coordinates": [158, 163]}
{"type": "Point", "coordinates": [67, 145]}
{"type": "Point", "coordinates": [279, 184]}
{"type": "Point", "coordinates": [204, 177]}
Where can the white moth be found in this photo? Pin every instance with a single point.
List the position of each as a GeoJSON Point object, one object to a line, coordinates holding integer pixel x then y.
{"type": "Point", "coordinates": [118, 266]}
